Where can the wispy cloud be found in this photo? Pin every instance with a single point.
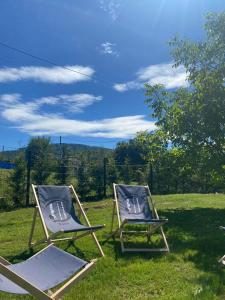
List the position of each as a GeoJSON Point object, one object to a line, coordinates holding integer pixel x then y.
{"type": "Point", "coordinates": [7, 99]}
{"type": "Point", "coordinates": [48, 75]}
{"type": "Point", "coordinates": [154, 74]}
{"type": "Point", "coordinates": [29, 118]}
{"type": "Point", "coordinates": [111, 7]}
{"type": "Point", "coordinates": [74, 103]}
{"type": "Point", "coordinates": [109, 49]}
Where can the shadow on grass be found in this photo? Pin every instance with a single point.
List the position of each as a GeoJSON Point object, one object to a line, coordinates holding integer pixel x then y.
{"type": "Point", "coordinates": [194, 237]}
{"type": "Point", "coordinates": [193, 233]}
{"type": "Point", "coordinates": [21, 256]}
{"type": "Point", "coordinates": [115, 244]}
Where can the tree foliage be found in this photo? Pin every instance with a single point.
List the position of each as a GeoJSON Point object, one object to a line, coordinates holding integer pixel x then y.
{"type": "Point", "coordinates": [18, 181]}
{"type": "Point", "coordinates": [193, 117]}
{"type": "Point", "coordinates": [39, 158]}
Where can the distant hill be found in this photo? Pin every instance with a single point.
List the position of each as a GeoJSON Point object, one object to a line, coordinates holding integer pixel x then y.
{"type": "Point", "coordinates": [72, 148]}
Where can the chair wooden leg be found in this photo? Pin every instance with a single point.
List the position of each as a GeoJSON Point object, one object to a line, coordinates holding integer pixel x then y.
{"type": "Point", "coordinates": [113, 216]}
{"type": "Point", "coordinates": [97, 243]}
{"type": "Point", "coordinates": [32, 227]}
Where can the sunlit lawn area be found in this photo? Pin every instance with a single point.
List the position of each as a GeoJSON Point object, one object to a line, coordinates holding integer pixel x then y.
{"type": "Point", "coordinates": [190, 271]}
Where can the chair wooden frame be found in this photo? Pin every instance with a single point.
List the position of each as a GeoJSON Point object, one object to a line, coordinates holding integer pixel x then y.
{"type": "Point", "coordinates": [51, 237]}
{"type": "Point", "coordinates": [36, 292]}
{"type": "Point", "coordinates": [120, 230]}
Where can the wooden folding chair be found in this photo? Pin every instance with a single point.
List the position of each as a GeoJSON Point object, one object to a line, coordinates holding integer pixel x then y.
{"type": "Point", "coordinates": [55, 207]}
{"type": "Point", "coordinates": [42, 272]}
{"type": "Point", "coordinates": [133, 205]}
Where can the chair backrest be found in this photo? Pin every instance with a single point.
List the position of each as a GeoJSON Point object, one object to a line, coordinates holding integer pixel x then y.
{"type": "Point", "coordinates": [133, 202]}
{"type": "Point", "coordinates": [56, 206]}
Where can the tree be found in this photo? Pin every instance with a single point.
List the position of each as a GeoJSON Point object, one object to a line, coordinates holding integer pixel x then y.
{"type": "Point", "coordinates": [39, 158]}
{"type": "Point", "coordinates": [62, 165]}
{"type": "Point", "coordinates": [111, 173]}
{"type": "Point", "coordinates": [83, 177]}
{"type": "Point", "coordinates": [193, 117]}
{"type": "Point", "coordinates": [96, 181]}
{"type": "Point", "coordinates": [18, 180]}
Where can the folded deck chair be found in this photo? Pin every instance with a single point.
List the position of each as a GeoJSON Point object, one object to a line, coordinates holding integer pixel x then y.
{"type": "Point", "coordinates": [42, 272]}
{"type": "Point", "coordinates": [57, 213]}
{"type": "Point", "coordinates": [133, 205]}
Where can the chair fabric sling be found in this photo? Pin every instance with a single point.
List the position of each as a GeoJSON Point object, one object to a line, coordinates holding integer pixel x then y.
{"type": "Point", "coordinates": [44, 271]}
{"type": "Point", "coordinates": [132, 206]}
{"type": "Point", "coordinates": [57, 212]}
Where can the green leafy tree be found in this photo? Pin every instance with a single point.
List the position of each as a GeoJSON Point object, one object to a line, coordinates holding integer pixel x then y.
{"type": "Point", "coordinates": [111, 172]}
{"type": "Point", "coordinates": [18, 181]}
{"type": "Point", "coordinates": [40, 159]}
{"type": "Point", "coordinates": [83, 177]}
{"type": "Point", "coordinates": [96, 178]}
{"type": "Point", "coordinates": [193, 117]}
{"type": "Point", "coordinates": [63, 167]}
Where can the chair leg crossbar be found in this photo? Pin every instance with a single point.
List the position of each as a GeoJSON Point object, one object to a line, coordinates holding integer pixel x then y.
{"type": "Point", "coordinates": [148, 233]}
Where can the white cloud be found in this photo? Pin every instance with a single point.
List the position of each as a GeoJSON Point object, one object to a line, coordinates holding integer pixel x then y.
{"type": "Point", "coordinates": [9, 99]}
{"type": "Point", "coordinates": [109, 48]}
{"type": "Point", "coordinates": [30, 119]}
{"type": "Point", "coordinates": [122, 127]}
{"type": "Point", "coordinates": [111, 7]}
{"type": "Point", "coordinates": [74, 103]}
{"type": "Point", "coordinates": [155, 74]}
{"type": "Point", "coordinates": [48, 75]}
{"type": "Point", "coordinates": [130, 85]}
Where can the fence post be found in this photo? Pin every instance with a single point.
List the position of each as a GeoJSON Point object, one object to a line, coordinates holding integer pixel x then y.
{"type": "Point", "coordinates": [104, 177]}
{"type": "Point", "coordinates": [28, 178]}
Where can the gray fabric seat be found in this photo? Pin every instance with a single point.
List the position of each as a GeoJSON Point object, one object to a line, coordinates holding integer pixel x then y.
{"type": "Point", "coordinates": [45, 270]}
{"type": "Point", "coordinates": [58, 210]}
{"type": "Point", "coordinates": [134, 205]}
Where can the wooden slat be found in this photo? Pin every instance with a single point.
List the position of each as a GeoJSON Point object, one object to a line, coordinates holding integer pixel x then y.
{"type": "Point", "coordinates": [40, 213]}
{"type": "Point", "coordinates": [23, 283]}
{"type": "Point", "coordinates": [87, 221]}
{"type": "Point", "coordinates": [4, 261]}
{"type": "Point", "coordinates": [60, 292]}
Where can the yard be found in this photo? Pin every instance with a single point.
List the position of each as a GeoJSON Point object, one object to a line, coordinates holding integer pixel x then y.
{"type": "Point", "coordinates": [189, 271]}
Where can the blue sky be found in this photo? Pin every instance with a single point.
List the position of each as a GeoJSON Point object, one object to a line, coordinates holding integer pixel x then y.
{"type": "Point", "coordinates": [118, 44]}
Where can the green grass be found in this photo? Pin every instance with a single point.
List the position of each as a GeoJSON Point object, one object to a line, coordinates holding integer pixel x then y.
{"type": "Point", "coordinates": [190, 271]}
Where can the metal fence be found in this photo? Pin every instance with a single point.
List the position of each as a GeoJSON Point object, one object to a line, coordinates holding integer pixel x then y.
{"type": "Point", "coordinates": [93, 179]}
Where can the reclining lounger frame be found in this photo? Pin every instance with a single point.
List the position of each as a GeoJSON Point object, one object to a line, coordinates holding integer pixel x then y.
{"type": "Point", "coordinates": [153, 223]}
{"type": "Point", "coordinates": [52, 237]}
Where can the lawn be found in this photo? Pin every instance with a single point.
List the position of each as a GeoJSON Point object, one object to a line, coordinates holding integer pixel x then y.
{"type": "Point", "coordinates": [190, 271]}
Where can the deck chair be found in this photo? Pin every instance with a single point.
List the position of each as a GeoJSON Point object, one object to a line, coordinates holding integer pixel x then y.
{"type": "Point", "coordinates": [57, 213]}
{"type": "Point", "coordinates": [222, 259]}
{"type": "Point", "coordinates": [42, 272]}
{"type": "Point", "coordinates": [133, 205]}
